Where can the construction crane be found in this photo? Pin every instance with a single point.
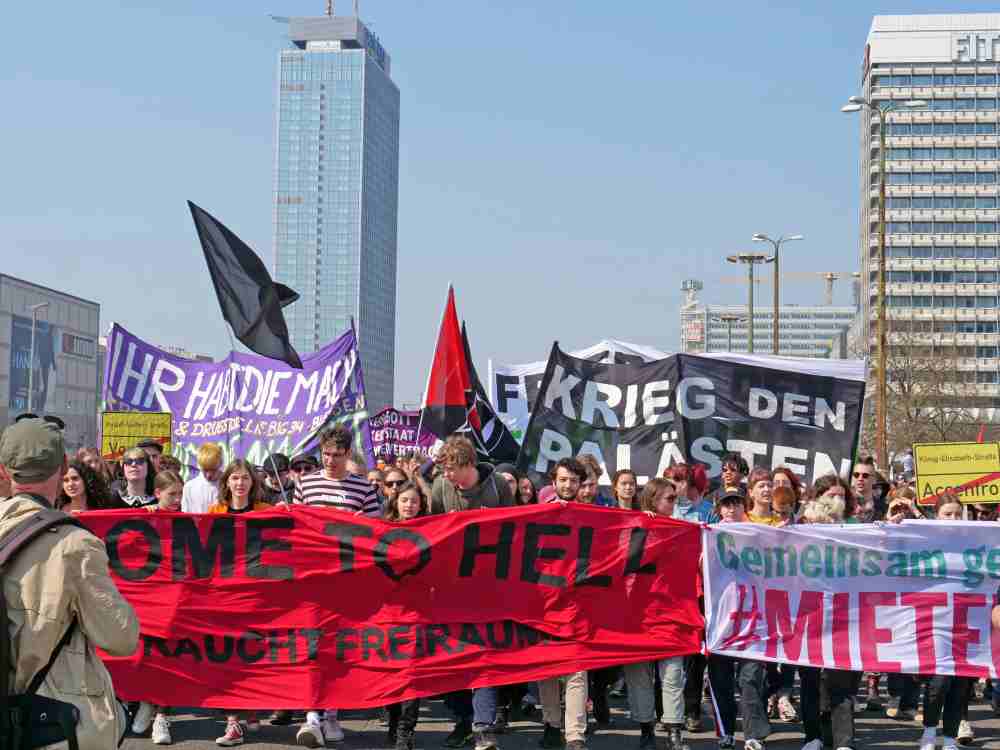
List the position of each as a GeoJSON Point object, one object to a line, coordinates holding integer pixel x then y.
{"type": "Point", "coordinates": [828, 276]}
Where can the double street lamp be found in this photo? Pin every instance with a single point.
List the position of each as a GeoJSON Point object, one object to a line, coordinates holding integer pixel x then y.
{"type": "Point", "coordinates": [751, 260]}
{"type": "Point", "coordinates": [881, 108]}
{"type": "Point", "coordinates": [776, 244]}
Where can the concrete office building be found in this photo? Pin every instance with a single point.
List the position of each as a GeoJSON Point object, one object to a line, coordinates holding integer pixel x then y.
{"type": "Point", "coordinates": [804, 331]}
{"type": "Point", "coordinates": [942, 191]}
{"type": "Point", "coordinates": [336, 191]}
{"type": "Point", "coordinates": [63, 373]}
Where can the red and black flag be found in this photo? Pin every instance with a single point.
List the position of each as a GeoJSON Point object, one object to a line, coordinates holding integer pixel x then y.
{"type": "Point", "coordinates": [492, 438]}
{"type": "Point", "coordinates": [251, 301]}
{"type": "Point", "coordinates": [449, 398]}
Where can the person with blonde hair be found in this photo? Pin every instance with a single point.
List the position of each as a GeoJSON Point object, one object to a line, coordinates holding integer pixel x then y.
{"type": "Point", "coordinates": [202, 492]}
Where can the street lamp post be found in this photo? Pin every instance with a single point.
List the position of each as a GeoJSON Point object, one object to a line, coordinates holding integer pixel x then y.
{"type": "Point", "coordinates": [751, 260]}
{"type": "Point", "coordinates": [857, 104]}
{"type": "Point", "coordinates": [729, 319]}
{"type": "Point", "coordinates": [776, 244]}
{"type": "Point", "coordinates": [31, 356]}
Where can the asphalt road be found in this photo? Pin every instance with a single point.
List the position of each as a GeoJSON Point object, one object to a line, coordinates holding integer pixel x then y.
{"type": "Point", "coordinates": [364, 732]}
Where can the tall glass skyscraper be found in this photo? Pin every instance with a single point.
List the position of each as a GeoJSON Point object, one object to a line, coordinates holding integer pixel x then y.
{"type": "Point", "coordinates": [336, 191]}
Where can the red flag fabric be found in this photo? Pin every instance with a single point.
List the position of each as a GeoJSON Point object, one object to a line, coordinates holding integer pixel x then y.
{"type": "Point", "coordinates": [449, 397]}
{"type": "Point", "coordinates": [313, 607]}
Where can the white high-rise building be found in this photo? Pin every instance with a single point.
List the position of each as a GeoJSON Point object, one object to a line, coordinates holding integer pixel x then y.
{"type": "Point", "coordinates": [803, 330]}
{"type": "Point", "coordinates": [941, 191]}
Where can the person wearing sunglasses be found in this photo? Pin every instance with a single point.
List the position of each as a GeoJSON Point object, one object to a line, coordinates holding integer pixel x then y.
{"type": "Point", "coordinates": [278, 484]}
{"type": "Point", "coordinates": [394, 479]}
{"type": "Point", "coordinates": [862, 485]}
{"type": "Point", "coordinates": [137, 489]}
{"type": "Point", "coordinates": [302, 465]}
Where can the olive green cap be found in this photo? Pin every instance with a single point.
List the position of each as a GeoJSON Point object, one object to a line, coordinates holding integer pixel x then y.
{"type": "Point", "coordinates": [32, 450]}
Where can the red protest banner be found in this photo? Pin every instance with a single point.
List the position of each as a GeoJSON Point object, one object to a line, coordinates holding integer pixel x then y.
{"type": "Point", "coordinates": [311, 607]}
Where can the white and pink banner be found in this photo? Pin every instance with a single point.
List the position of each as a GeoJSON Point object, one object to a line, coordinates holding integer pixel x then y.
{"type": "Point", "coordinates": [914, 597]}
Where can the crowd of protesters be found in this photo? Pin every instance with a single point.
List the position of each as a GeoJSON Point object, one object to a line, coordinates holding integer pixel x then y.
{"type": "Point", "coordinates": [667, 696]}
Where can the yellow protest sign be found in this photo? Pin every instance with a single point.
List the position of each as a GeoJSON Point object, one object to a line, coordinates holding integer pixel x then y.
{"type": "Point", "coordinates": [121, 430]}
{"type": "Point", "coordinates": [970, 470]}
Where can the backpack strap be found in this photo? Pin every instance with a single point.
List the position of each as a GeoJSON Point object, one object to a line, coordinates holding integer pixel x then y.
{"type": "Point", "coordinates": [39, 678]}
{"type": "Point", "coordinates": [30, 528]}
{"type": "Point", "coordinates": [11, 544]}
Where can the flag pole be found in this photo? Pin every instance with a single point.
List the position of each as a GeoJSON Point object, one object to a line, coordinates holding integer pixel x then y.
{"type": "Point", "coordinates": [284, 497]}
{"type": "Point", "coordinates": [236, 372]}
{"type": "Point", "coordinates": [430, 370]}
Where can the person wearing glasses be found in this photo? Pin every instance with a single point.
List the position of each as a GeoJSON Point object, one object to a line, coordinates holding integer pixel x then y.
{"type": "Point", "coordinates": [137, 489]}
{"type": "Point", "coordinates": [394, 479]}
{"type": "Point", "coordinates": [862, 484]}
{"type": "Point", "coordinates": [732, 473]}
{"type": "Point", "coordinates": [202, 492]}
{"type": "Point", "coordinates": [302, 465]}
{"type": "Point", "coordinates": [863, 479]}
{"type": "Point", "coordinates": [337, 489]}
{"type": "Point", "coordinates": [278, 484]}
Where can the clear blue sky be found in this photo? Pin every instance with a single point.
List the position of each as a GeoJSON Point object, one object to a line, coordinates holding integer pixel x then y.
{"type": "Point", "coordinates": [566, 164]}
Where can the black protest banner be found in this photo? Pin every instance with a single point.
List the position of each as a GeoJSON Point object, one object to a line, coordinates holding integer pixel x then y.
{"type": "Point", "coordinates": [647, 416]}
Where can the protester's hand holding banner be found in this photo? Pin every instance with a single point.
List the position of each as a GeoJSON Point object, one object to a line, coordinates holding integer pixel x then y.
{"type": "Point", "coordinates": [913, 597]}
{"type": "Point", "coordinates": [311, 608]}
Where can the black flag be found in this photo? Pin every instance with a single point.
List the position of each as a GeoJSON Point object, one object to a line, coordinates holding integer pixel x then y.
{"type": "Point", "coordinates": [251, 302]}
{"type": "Point", "coordinates": [492, 439]}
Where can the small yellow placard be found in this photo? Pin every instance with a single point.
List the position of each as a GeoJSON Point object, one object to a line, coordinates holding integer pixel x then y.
{"type": "Point", "coordinates": [121, 430]}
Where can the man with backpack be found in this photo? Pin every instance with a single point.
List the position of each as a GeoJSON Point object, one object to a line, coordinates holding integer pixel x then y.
{"type": "Point", "coordinates": [59, 604]}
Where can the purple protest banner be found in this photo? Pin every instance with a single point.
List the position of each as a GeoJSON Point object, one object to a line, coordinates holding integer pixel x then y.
{"type": "Point", "coordinates": [394, 433]}
{"type": "Point", "coordinates": [250, 405]}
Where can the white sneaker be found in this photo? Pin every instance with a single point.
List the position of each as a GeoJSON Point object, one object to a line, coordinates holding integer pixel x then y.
{"type": "Point", "coordinates": [753, 745]}
{"type": "Point", "coordinates": [233, 736]}
{"type": "Point", "coordinates": [310, 735]}
{"type": "Point", "coordinates": [161, 730]}
{"type": "Point", "coordinates": [813, 745]}
{"type": "Point", "coordinates": [143, 718]}
{"type": "Point", "coordinates": [331, 730]}
{"type": "Point", "coordinates": [965, 734]}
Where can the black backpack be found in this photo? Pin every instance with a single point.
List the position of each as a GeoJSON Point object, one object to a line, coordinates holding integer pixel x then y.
{"type": "Point", "coordinates": [27, 720]}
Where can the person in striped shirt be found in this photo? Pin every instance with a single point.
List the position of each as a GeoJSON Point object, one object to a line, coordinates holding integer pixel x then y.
{"type": "Point", "coordinates": [336, 488]}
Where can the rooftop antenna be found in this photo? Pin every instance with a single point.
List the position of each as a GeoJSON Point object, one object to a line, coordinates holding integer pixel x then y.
{"type": "Point", "coordinates": [357, 8]}
{"type": "Point", "coordinates": [329, 7]}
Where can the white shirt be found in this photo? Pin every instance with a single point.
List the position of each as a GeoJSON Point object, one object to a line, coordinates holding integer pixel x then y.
{"type": "Point", "coordinates": [199, 495]}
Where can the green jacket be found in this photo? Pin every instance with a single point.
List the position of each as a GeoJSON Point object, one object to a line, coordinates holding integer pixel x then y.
{"type": "Point", "coordinates": [489, 492]}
